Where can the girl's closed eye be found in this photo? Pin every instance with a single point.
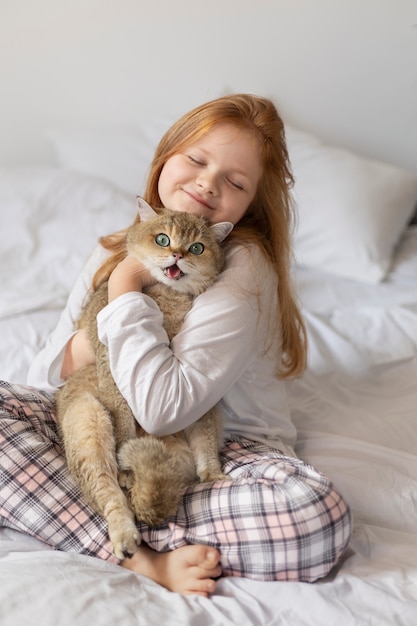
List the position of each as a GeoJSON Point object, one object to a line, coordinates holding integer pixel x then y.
{"type": "Point", "coordinates": [194, 159]}
{"type": "Point", "coordinates": [198, 161]}
{"type": "Point", "coordinates": [236, 185]}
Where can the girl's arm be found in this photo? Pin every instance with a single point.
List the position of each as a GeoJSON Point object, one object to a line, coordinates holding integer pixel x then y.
{"type": "Point", "coordinates": [169, 386]}
{"type": "Point", "coordinates": [65, 349]}
{"type": "Point", "coordinates": [77, 353]}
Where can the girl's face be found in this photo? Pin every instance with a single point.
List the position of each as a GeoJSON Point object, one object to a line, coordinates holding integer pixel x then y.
{"type": "Point", "coordinates": [216, 177]}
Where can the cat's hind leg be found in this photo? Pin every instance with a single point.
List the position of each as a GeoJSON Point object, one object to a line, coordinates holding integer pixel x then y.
{"type": "Point", "coordinates": [90, 451]}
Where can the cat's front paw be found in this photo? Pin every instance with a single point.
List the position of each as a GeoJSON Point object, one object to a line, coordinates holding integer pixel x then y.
{"type": "Point", "coordinates": [125, 538]}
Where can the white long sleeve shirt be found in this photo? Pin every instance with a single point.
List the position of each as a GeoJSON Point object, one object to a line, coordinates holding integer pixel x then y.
{"type": "Point", "coordinates": [227, 352]}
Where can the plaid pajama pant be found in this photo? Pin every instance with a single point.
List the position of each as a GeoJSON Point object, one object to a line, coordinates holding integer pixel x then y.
{"type": "Point", "coordinates": [277, 519]}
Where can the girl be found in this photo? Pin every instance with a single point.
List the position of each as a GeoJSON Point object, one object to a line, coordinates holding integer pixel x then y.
{"type": "Point", "coordinates": [278, 518]}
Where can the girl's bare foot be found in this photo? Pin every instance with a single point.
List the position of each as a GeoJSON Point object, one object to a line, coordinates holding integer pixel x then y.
{"type": "Point", "coordinates": [187, 570]}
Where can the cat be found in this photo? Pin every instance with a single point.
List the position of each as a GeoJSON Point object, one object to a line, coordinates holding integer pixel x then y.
{"type": "Point", "coordinates": [122, 471]}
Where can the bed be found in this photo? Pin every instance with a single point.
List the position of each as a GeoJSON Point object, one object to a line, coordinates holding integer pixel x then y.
{"type": "Point", "coordinates": [355, 408]}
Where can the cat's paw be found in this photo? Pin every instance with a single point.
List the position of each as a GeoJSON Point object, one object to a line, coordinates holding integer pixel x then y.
{"type": "Point", "coordinates": [125, 538]}
{"type": "Point", "coordinates": [126, 479]}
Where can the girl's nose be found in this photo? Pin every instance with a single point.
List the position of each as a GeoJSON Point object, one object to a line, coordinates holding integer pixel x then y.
{"type": "Point", "coordinates": [207, 182]}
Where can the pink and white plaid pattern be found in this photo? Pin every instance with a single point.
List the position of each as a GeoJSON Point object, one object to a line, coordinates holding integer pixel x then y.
{"type": "Point", "coordinates": [277, 519]}
{"type": "Point", "coordinates": [37, 494]}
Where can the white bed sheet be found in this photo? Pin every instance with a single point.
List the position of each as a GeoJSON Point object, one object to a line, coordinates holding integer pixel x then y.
{"type": "Point", "coordinates": [355, 410]}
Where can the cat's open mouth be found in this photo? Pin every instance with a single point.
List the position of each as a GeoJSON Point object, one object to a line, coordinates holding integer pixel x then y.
{"type": "Point", "coordinates": [173, 271]}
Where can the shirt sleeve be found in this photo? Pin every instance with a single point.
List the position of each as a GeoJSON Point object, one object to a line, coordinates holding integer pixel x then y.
{"type": "Point", "coordinates": [169, 386]}
{"type": "Point", "coordinates": [45, 371]}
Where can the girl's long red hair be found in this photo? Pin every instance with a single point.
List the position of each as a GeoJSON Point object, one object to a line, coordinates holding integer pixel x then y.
{"type": "Point", "coordinates": [270, 218]}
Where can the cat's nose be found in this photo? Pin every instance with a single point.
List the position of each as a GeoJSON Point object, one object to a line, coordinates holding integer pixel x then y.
{"type": "Point", "coordinates": [177, 256]}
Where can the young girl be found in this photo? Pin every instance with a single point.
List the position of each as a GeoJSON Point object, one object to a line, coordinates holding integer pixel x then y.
{"type": "Point", "coordinates": [277, 518]}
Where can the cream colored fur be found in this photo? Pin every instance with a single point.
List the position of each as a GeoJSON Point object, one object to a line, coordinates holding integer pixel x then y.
{"type": "Point", "coordinates": [122, 471]}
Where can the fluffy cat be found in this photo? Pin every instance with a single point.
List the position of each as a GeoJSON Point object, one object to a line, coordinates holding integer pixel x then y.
{"type": "Point", "coordinates": [122, 471]}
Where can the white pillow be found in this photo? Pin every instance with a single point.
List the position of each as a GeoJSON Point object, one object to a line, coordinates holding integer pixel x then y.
{"type": "Point", "coordinates": [120, 155]}
{"type": "Point", "coordinates": [352, 210]}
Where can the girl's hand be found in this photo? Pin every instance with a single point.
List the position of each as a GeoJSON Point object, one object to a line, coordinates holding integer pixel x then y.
{"type": "Point", "coordinates": [128, 276]}
{"type": "Point", "coordinates": [78, 353]}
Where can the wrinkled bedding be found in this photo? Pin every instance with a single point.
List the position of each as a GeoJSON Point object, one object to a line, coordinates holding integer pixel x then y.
{"type": "Point", "coordinates": [355, 410]}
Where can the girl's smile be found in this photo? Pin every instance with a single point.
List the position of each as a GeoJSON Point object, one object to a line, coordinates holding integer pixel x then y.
{"type": "Point", "coordinates": [216, 177]}
{"type": "Point", "coordinates": [199, 199]}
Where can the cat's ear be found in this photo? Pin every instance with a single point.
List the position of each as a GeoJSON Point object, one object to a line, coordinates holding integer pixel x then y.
{"type": "Point", "coordinates": [145, 211]}
{"type": "Point", "coordinates": [221, 230]}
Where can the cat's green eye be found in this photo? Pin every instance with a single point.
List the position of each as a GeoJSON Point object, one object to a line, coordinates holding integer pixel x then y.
{"type": "Point", "coordinates": [162, 240]}
{"type": "Point", "coordinates": [196, 248]}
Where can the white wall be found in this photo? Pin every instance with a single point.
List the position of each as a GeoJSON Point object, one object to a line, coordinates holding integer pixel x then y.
{"type": "Point", "coordinates": [346, 69]}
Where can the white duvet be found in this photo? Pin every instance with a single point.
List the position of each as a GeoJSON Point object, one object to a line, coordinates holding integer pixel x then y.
{"type": "Point", "coordinates": [355, 410]}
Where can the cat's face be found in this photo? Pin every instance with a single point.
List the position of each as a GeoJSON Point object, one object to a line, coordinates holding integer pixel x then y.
{"type": "Point", "coordinates": [179, 249]}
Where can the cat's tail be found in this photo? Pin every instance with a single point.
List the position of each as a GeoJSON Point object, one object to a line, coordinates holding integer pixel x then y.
{"type": "Point", "coordinates": [154, 471]}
